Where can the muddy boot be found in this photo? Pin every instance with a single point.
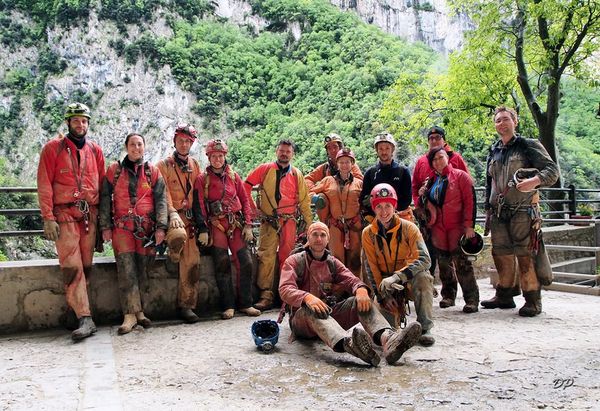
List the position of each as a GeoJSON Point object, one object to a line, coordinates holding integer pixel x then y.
{"type": "Point", "coordinates": [426, 339]}
{"type": "Point", "coordinates": [471, 307]}
{"type": "Point", "coordinates": [503, 299]}
{"type": "Point", "coordinates": [143, 320]}
{"type": "Point", "coordinates": [227, 314]}
{"type": "Point", "coordinates": [360, 346]}
{"type": "Point", "coordinates": [447, 302]}
{"type": "Point", "coordinates": [396, 343]}
{"type": "Point", "coordinates": [516, 290]}
{"type": "Point", "coordinates": [224, 281]}
{"type": "Point", "coordinates": [533, 304]}
{"type": "Point", "coordinates": [86, 328]}
{"type": "Point", "coordinates": [187, 315]}
{"type": "Point", "coordinates": [263, 304]}
{"type": "Point", "coordinates": [69, 320]}
{"type": "Point", "coordinates": [251, 312]}
{"type": "Point", "coordinates": [129, 321]}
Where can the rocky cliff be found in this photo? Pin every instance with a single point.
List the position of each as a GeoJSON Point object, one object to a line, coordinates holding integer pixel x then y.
{"type": "Point", "coordinates": [427, 21]}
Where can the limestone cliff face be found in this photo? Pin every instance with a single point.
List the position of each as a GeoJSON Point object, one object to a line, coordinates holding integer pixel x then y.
{"type": "Point", "coordinates": [427, 21]}
{"type": "Point", "coordinates": [139, 98]}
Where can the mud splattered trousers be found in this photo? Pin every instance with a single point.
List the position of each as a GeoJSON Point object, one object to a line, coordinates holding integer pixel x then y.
{"type": "Point", "coordinates": [133, 261]}
{"type": "Point", "coordinates": [456, 269]}
{"type": "Point", "coordinates": [422, 290]}
{"type": "Point", "coordinates": [75, 249]}
{"type": "Point", "coordinates": [333, 329]}
{"type": "Point", "coordinates": [182, 244]}
{"type": "Point", "coordinates": [271, 246]}
{"type": "Point", "coordinates": [510, 243]}
{"type": "Point", "coordinates": [242, 260]}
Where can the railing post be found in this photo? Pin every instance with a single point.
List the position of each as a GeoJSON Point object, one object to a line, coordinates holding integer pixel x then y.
{"type": "Point", "coordinates": [572, 200]}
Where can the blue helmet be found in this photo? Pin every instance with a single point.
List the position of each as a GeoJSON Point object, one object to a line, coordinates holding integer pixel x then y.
{"type": "Point", "coordinates": [265, 334]}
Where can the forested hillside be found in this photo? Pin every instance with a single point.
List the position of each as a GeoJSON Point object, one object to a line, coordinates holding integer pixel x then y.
{"type": "Point", "coordinates": [284, 69]}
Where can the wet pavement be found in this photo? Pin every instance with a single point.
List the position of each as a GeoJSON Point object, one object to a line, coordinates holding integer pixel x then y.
{"type": "Point", "coordinates": [492, 359]}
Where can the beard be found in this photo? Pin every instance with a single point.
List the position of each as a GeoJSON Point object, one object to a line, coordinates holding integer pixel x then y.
{"type": "Point", "coordinates": [74, 133]}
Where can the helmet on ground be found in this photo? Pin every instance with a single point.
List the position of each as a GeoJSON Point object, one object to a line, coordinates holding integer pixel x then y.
{"type": "Point", "coordinates": [333, 138]}
{"type": "Point", "coordinates": [384, 138]}
{"type": "Point", "coordinates": [77, 110]}
{"type": "Point", "coordinates": [185, 130]}
{"type": "Point", "coordinates": [216, 146]}
{"type": "Point", "coordinates": [383, 193]}
{"type": "Point", "coordinates": [345, 152]}
{"type": "Point", "coordinates": [471, 246]}
{"type": "Point", "coordinates": [265, 334]}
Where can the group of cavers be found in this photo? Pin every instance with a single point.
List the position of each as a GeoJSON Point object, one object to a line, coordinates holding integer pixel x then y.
{"type": "Point", "coordinates": [369, 253]}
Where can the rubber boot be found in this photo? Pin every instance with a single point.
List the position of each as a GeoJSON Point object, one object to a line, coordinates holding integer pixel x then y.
{"type": "Point", "coordinates": [533, 304]}
{"type": "Point", "coordinates": [244, 259]}
{"type": "Point", "coordinates": [143, 320]}
{"type": "Point", "coordinates": [396, 343]}
{"type": "Point", "coordinates": [222, 265]}
{"type": "Point", "coordinates": [129, 321]}
{"type": "Point", "coordinates": [448, 279]}
{"type": "Point", "coordinates": [359, 345]}
{"type": "Point", "coordinates": [426, 339]}
{"type": "Point", "coordinates": [86, 328]}
{"type": "Point", "coordinates": [188, 315]}
{"type": "Point", "coordinates": [503, 299]}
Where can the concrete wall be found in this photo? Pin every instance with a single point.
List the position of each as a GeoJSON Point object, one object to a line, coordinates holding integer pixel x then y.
{"type": "Point", "coordinates": [32, 293]}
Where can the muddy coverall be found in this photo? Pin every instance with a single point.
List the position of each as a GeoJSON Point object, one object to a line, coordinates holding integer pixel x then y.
{"type": "Point", "coordinates": [400, 248]}
{"type": "Point", "coordinates": [453, 197]}
{"type": "Point", "coordinates": [68, 183]}
{"type": "Point", "coordinates": [420, 173]}
{"type": "Point", "coordinates": [221, 202]}
{"type": "Point", "coordinates": [327, 169]}
{"type": "Point", "coordinates": [343, 218]}
{"type": "Point", "coordinates": [133, 205]}
{"type": "Point", "coordinates": [513, 211]}
{"type": "Point", "coordinates": [398, 177]}
{"type": "Point", "coordinates": [318, 279]}
{"type": "Point", "coordinates": [179, 178]}
{"type": "Point", "coordinates": [282, 200]}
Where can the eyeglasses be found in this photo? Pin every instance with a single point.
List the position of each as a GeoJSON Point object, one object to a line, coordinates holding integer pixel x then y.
{"type": "Point", "coordinates": [434, 137]}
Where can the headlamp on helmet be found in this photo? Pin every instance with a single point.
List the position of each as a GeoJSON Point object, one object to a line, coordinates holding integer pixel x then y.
{"type": "Point", "coordinates": [265, 334]}
{"type": "Point", "coordinates": [384, 138]}
{"type": "Point", "coordinates": [333, 138]}
{"type": "Point", "coordinates": [216, 146]}
{"type": "Point", "coordinates": [471, 247]}
{"type": "Point", "coordinates": [383, 193]}
{"type": "Point", "coordinates": [77, 110]}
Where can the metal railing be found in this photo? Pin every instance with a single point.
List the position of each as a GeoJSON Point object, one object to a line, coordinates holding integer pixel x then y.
{"type": "Point", "coordinates": [573, 197]}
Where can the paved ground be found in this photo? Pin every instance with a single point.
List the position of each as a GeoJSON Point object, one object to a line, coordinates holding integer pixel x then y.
{"type": "Point", "coordinates": [493, 359]}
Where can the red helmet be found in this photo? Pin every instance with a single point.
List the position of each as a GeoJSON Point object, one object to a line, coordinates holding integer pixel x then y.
{"type": "Point", "coordinates": [345, 152]}
{"type": "Point", "coordinates": [381, 193]}
{"type": "Point", "coordinates": [185, 130]}
{"type": "Point", "coordinates": [216, 146]}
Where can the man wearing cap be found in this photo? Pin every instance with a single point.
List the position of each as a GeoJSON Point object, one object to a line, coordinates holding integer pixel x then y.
{"type": "Point", "coordinates": [387, 170]}
{"type": "Point", "coordinates": [396, 255]}
{"type": "Point", "coordinates": [69, 177]}
{"type": "Point", "coordinates": [282, 202]}
{"type": "Point", "coordinates": [436, 137]}
{"type": "Point", "coordinates": [180, 171]}
{"type": "Point", "coordinates": [308, 279]}
{"type": "Point", "coordinates": [333, 143]}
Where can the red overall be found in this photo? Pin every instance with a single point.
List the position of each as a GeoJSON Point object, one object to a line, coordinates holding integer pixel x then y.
{"type": "Point", "coordinates": [68, 181]}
